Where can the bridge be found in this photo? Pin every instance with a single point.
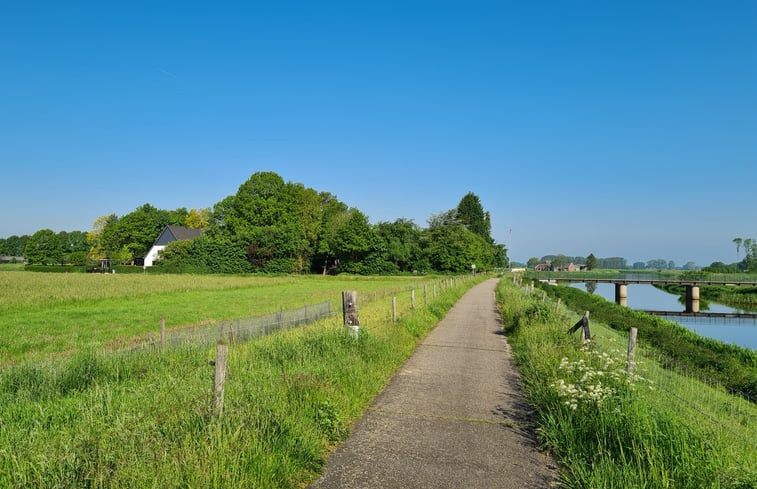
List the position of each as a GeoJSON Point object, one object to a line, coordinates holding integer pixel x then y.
{"type": "Point", "coordinates": [621, 287]}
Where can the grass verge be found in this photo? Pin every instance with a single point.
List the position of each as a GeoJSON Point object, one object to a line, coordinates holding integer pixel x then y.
{"type": "Point", "coordinates": [609, 429]}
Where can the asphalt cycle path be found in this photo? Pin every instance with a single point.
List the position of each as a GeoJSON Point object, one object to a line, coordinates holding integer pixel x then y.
{"type": "Point", "coordinates": [454, 416]}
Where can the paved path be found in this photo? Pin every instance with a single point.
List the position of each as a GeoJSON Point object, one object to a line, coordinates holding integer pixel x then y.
{"type": "Point", "coordinates": [452, 417]}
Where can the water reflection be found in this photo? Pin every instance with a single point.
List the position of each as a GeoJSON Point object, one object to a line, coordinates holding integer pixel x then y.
{"type": "Point", "coordinates": [742, 332]}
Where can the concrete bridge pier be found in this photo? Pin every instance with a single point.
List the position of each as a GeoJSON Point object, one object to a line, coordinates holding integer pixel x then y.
{"type": "Point", "coordinates": [692, 298]}
{"type": "Point", "coordinates": [621, 294]}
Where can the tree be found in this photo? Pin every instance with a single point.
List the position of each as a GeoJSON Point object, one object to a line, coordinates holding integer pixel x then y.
{"type": "Point", "coordinates": [455, 249]}
{"type": "Point", "coordinates": [446, 218]}
{"type": "Point", "coordinates": [532, 262]}
{"type": "Point", "coordinates": [639, 265]}
{"type": "Point", "coordinates": [658, 264]}
{"type": "Point", "coordinates": [198, 219]}
{"type": "Point", "coordinates": [402, 240]}
{"type": "Point", "coordinates": [738, 242]}
{"type": "Point", "coordinates": [559, 262]}
{"type": "Point", "coordinates": [671, 265]}
{"type": "Point", "coordinates": [43, 248]}
{"type": "Point", "coordinates": [470, 214]}
{"type": "Point", "coordinates": [273, 220]}
{"type": "Point", "coordinates": [591, 262]}
{"type": "Point", "coordinates": [95, 236]}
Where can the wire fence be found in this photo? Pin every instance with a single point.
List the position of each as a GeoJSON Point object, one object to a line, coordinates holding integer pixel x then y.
{"type": "Point", "coordinates": [241, 329]}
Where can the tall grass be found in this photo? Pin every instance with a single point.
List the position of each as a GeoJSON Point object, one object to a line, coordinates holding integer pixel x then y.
{"type": "Point", "coordinates": [145, 419]}
{"type": "Point", "coordinates": [609, 429]}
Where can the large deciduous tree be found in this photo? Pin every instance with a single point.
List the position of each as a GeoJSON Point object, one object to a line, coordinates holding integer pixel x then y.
{"type": "Point", "coordinates": [43, 247]}
{"type": "Point", "coordinates": [275, 221]}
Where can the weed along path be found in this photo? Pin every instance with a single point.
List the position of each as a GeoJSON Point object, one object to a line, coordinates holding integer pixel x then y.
{"type": "Point", "coordinates": [452, 417]}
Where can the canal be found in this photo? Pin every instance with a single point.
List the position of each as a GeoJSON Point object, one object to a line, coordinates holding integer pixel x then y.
{"type": "Point", "coordinates": [742, 332]}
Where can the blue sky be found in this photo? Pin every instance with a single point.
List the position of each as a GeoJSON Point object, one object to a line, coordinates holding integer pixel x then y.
{"type": "Point", "coordinates": [618, 128]}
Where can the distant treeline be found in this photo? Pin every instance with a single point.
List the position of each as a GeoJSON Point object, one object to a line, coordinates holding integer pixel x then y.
{"type": "Point", "coordinates": [274, 226]}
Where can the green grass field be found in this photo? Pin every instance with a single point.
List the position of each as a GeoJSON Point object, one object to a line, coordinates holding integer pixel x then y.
{"type": "Point", "coordinates": [47, 315]}
{"type": "Point", "coordinates": [133, 419]}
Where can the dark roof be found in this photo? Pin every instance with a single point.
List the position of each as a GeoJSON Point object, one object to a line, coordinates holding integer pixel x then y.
{"type": "Point", "coordinates": [181, 232]}
{"type": "Point", "coordinates": [176, 233]}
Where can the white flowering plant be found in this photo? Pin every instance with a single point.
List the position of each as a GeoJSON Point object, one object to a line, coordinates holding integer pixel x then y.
{"type": "Point", "coordinates": [593, 378]}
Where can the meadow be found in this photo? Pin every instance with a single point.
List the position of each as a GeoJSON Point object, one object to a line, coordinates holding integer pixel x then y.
{"type": "Point", "coordinates": [52, 315]}
{"type": "Point", "coordinates": [656, 428]}
{"type": "Point", "coordinates": [100, 418]}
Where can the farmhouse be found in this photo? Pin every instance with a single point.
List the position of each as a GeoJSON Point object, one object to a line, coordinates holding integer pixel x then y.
{"type": "Point", "coordinates": [169, 235]}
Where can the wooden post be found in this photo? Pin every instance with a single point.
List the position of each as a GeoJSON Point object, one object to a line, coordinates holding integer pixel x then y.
{"type": "Point", "coordinates": [162, 333]}
{"type": "Point", "coordinates": [231, 332]}
{"type": "Point", "coordinates": [585, 334]}
{"type": "Point", "coordinates": [394, 309]}
{"type": "Point", "coordinates": [222, 352]}
{"type": "Point", "coordinates": [434, 290]}
{"type": "Point", "coordinates": [279, 318]}
{"type": "Point", "coordinates": [557, 306]}
{"type": "Point", "coordinates": [412, 299]}
{"type": "Point", "coordinates": [582, 323]}
{"type": "Point", "coordinates": [349, 310]}
{"type": "Point", "coordinates": [631, 357]}
{"type": "Point", "coordinates": [425, 294]}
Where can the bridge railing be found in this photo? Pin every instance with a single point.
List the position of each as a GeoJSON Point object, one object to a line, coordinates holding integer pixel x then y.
{"type": "Point", "coordinates": [643, 275]}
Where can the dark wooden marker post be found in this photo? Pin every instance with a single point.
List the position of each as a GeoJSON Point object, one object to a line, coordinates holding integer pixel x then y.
{"type": "Point", "coordinates": [349, 309]}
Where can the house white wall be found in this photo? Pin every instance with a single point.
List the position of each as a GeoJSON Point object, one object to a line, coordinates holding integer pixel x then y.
{"type": "Point", "coordinates": [152, 255]}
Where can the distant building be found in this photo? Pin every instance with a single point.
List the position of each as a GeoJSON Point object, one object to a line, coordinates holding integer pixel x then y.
{"type": "Point", "coordinates": [169, 235]}
{"type": "Point", "coordinates": [543, 267]}
{"type": "Point", "coordinates": [12, 259]}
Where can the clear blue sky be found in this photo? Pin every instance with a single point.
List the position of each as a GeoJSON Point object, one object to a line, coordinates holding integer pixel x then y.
{"type": "Point", "coordinates": [618, 128]}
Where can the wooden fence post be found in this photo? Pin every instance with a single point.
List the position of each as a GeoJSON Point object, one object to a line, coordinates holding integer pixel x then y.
{"type": "Point", "coordinates": [412, 299]}
{"type": "Point", "coordinates": [349, 310]}
{"type": "Point", "coordinates": [394, 309]}
{"type": "Point", "coordinates": [631, 356]}
{"type": "Point", "coordinates": [584, 324]}
{"type": "Point", "coordinates": [585, 334]}
{"type": "Point", "coordinates": [425, 294]}
{"type": "Point", "coordinates": [162, 333]}
{"type": "Point", "coordinates": [557, 306]}
{"type": "Point", "coordinates": [222, 352]}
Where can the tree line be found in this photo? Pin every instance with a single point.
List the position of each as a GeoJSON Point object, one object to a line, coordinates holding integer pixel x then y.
{"type": "Point", "coordinates": [746, 264]}
{"type": "Point", "coordinates": [274, 226]}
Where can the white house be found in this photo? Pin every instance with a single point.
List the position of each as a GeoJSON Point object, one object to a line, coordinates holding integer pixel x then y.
{"type": "Point", "coordinates": [169, 235]}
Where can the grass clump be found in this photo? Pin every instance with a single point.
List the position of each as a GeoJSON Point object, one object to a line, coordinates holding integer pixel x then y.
{"type": "Point", "coordinates": [607, 428]}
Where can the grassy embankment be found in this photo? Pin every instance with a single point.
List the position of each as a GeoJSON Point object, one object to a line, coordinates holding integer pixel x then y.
{"type": "Point", "coordinates": [612, 433]}
{"type": "Point", "coordinates": [732, 366]}
{"type": "Point", "coordinates": [144, 419]}
{"type": "Point", "coordinates": [44, 315]}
